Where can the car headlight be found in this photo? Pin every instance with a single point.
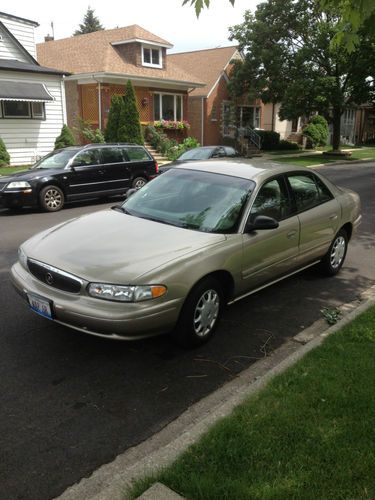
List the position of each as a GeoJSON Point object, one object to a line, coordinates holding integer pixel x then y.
{"type": "Point", "coordinates": [22, 257]}
{"type": "Point", "coordinates": [18, 184]}
{"type": "Point", "coordinates": [127, 293]}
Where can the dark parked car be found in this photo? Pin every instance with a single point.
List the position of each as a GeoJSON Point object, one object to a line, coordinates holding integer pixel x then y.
{"type": "Point", "coordinates": [202, 153]}
{"type": "Point", "coordinates": [78, 173]}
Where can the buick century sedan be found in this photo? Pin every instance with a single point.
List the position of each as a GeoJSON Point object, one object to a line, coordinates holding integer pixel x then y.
{"type": "Point", "coordinates": [193, 240]}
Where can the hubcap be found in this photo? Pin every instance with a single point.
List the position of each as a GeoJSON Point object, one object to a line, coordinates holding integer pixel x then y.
{"type": "Point", "coordinates": [53, 198]}
{"type": "Point", "coordinates": [206, 313]}
{"type": "Point", "coordinates": [337, 252]}
{"type": "Point", "coordinates": [140, 183]}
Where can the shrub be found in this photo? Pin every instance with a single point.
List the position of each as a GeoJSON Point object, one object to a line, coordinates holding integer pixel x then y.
{"type": "Point", "coordinates": [168, 147]}
{"type": "Point", "coordinates": [84, 128]}
{"type": "Point", "coordinates": [283, 144]}
{"type": "Point", "coordinates": [270, 139]}
{"type": "Point", "coordinates": [130, 126]}
{"type": "Point", "coordinates": [316, 131]}
{"type": "Point", "coordinates": [4, 155]}
{"type": "Point", "coordinates": [66, 138]}
{"type": "Point", "coordinates": [113, 123]}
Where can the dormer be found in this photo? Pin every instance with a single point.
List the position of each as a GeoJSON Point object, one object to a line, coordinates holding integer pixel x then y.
{"type": "Point", "coordinates": [144, 53]}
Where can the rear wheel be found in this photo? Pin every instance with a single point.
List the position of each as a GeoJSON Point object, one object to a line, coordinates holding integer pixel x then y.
{"type": "Point", "coordinates": [200, 314]}
{"type": "Point", "coordinates": [334, 258]}
{"type": "Point", "coordinates": [51, 198]}
{"type": "Point", "coordinates": [139, 182]}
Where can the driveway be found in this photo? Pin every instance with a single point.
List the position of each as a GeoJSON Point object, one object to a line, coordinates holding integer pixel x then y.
{"type": "Point", "coordinates": [70, 402]}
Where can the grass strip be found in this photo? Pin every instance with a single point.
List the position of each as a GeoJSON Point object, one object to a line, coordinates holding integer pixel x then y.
{"type": "Point", "coordinates": [310, 434]}
{"type": "Point", "coordinates": [317, 159]}
{"type": "Point", "coordinates": [12, 170]}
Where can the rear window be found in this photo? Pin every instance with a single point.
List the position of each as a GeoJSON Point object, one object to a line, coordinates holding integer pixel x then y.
{"type": "Point", "coordinates": [137, 154]}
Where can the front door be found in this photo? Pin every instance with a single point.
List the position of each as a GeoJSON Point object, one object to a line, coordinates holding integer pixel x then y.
{"type": "Point", "coordinates": [268, 254]}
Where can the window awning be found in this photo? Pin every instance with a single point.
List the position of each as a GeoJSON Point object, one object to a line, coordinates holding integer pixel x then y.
{"type": "Point", "coordinates": [24, 91]}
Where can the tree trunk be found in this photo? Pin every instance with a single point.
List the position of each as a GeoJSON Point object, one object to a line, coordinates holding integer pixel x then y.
{"type": "Point", "coordinates": [336, 125]}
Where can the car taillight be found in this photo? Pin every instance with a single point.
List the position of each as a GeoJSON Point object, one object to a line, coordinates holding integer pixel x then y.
{"type": "Point", "coordinates": [156, 167]}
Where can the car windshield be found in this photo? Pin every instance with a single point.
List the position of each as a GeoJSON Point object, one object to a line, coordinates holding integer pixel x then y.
{"type": "Point", "coordinates": [56, 159]}
{"type": "Point", "coordinates": [192, 199]}
{"type": "Point", "coordinates": [196, 154]}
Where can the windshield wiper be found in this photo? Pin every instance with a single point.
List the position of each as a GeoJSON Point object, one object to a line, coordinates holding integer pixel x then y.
{"type": "Point", "coordinates": [120, 208]}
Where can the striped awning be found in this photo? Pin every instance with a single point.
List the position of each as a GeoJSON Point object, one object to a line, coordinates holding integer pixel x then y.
{"type": "Point", "coordinates": [24, 91]}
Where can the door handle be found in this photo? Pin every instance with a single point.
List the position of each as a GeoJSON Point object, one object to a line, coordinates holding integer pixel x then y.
{"type": "Point", "coordinates": [333, 217]}
{"type": "Point", "coordinates": [291, 234]}
{"type": "Point", "coordinates": [101, 171]}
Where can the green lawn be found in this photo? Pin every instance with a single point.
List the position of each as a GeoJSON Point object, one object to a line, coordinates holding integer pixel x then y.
{"type": "Point", "coordinates": [317, 159]}
{"type": "Point", "coordinates": [310, 434]}
{"type": "Point", "coordinates": [11, 170]}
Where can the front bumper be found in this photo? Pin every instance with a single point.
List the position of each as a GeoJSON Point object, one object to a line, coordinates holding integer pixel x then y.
{"type": "Point", "coordinates": [19, 198]}
{"type": "Point", "coordinates": [115, 320]}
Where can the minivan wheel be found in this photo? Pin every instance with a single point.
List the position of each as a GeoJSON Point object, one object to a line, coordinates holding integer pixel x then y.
{"type": "Point", "coordinates": [334, 258]}
{"type": "Point", "coordinates": [139, 182]}
{"type": "Point", "coordinates": [200, 314]}
{"type": "Point", "coordinates": [51, 198]}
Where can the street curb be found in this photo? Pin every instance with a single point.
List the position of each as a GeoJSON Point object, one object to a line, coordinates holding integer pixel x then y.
{"type": "Point", "coordinates": [111, 481]}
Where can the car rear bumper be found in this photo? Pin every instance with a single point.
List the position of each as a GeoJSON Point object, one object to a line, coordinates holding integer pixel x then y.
{"type": "Point", "coordinates": [114, 320]}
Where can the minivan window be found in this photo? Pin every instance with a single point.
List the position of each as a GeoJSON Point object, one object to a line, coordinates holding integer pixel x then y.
{"type": "Point", "coordinates": [86, 158]}
{"type": "Point", "coordinates": [111, 155]}
{"type": "Point", "coordinates": [137, 154]}
{"type": "Point", "coordinates": [56, 159]}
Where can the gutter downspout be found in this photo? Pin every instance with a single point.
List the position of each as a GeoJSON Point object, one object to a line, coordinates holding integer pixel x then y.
{"type": "Point", "coordinates": [100, 105]}
{"type": "Point", "coordinates": [273, 117]}
{"type": "Point", "coordinates": [63, 101]}
{"type": "Point", "coordinates": [202, 120]}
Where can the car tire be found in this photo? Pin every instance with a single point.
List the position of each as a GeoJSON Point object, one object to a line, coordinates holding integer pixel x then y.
{"type": "Point", "coordinates": [139, 182]}
{"type": "Point", "coordinates": [334, 258]}
{"type": "Point", "coordinates": [51, 198]}
{"type": "Point", "coordinates": [200, 314]}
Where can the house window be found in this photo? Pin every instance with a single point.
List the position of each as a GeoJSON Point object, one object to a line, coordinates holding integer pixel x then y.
{"type": "Point", "coordinates": [151, 56]}
{"type": "Point", "coordinates": [213, 115]}
{"type": "Point", "coordinates": [22, 109]}
{"type": "Point", "coordinates": [37, 110]}
{"type": "Point", "coordinates": [248, 116]}
{"type": "Point", "coordinates": [227, 111]}
{"type": "Point", "coordinates": [16, 109]}
{"type": "Point", "coordinates": [168, 107]}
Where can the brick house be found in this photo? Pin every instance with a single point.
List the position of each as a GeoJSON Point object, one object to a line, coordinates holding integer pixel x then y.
{"type": "Point", "coordinates": [100, 64]}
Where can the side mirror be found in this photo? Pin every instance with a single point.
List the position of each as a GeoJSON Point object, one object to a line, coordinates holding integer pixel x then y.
{"type": "Point", "coordinates": [261, 222]}
{"type": "Point", "coordinates": [129, 192]}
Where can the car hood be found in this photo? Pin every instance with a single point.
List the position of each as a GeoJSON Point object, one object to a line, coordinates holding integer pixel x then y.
{"type": "Point", "coordinates": [28, 175]}
{"type": "Point", "coordinates": [110, 246]}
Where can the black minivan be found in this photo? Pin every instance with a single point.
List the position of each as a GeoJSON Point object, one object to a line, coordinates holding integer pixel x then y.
{"type": "Point", "coordinates": [78, 173]}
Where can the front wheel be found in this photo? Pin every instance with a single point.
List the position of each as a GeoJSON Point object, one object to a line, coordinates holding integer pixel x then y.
{"type": "Point", "coordinates": [51, 198]}
{"type": "Point", "coordinates": [334, 258]}
{"type": "Point", "coordinates": [139, 182]}
{"type": "Point", "coordinates": [200, 314]}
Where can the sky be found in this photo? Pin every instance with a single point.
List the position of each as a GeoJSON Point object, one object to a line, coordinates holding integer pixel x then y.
{"type": "Point", "coordinates": [165, 18]}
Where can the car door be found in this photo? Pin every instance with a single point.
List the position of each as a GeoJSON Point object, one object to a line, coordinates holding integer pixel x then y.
{"type": "Point", "coordinates": [268, 254]}
{"type": "Point", "coordinates": [140, 163]}
{"type": "Point", "coordinates": [318, 211]}
{"type": "Point", "coordinates": [116, 171]}
{"type": "Point", "coordinates": [85, 177]}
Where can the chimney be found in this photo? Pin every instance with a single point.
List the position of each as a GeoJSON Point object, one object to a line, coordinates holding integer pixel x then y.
{"type": "Point", "coordinates": [48, 38]}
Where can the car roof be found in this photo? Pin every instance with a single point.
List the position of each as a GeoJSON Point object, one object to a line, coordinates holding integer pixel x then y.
{"type": "Point", "coordinates": [240, 167]}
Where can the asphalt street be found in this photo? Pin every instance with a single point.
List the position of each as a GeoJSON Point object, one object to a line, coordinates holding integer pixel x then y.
{"type": "Point", "coordinates": [71, 402]}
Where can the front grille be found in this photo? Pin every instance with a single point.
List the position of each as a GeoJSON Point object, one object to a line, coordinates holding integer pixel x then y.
{"type": "Point", "coordinates": [2, 185]}
{"type": "Point", "coordinates": [54, 277]}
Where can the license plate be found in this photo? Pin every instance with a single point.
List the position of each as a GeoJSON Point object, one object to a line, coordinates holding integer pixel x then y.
{"type": "Point", "coordinates": [40, 306]}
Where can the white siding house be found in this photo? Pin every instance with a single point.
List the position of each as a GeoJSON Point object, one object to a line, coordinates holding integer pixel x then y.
{"type": "Point", "coordinates": [32, 98]}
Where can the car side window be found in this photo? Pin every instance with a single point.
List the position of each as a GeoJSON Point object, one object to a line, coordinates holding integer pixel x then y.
{"type": "Point", "coordinates": [272, 200]}
{"type": "Point", "coordinates": [306, 191]}
{"type": "Point", "coordinates": [111, 155]}
{"type": "Point", "coordinates": [86, 158]}
{"type": "Point", "coordinates": [324, 193]}
{"type": "Point", "coordinates": [137, 154]}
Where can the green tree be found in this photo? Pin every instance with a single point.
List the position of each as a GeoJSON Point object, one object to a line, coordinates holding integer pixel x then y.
{"type": "Point", "coordinates": [289, 58]}
{"type": "Point", "coordinates": [317, 130]}
{"type": "Point", "coordinates": [66, 138]}
{"type": "Point", "coordinates": [200, 4]}
{"type": "Point", "coordinates": [4, 155]}
{"type": "Point", "coordinates": [90, 23]}
{"type": "Point", "coordinates": [114, 117]}
{"type": "Point", "coordinates": [130, 126]}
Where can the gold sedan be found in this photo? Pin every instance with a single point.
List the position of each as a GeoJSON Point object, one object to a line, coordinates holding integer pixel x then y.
{"type": "Point", "coordinates": [196, 238]}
